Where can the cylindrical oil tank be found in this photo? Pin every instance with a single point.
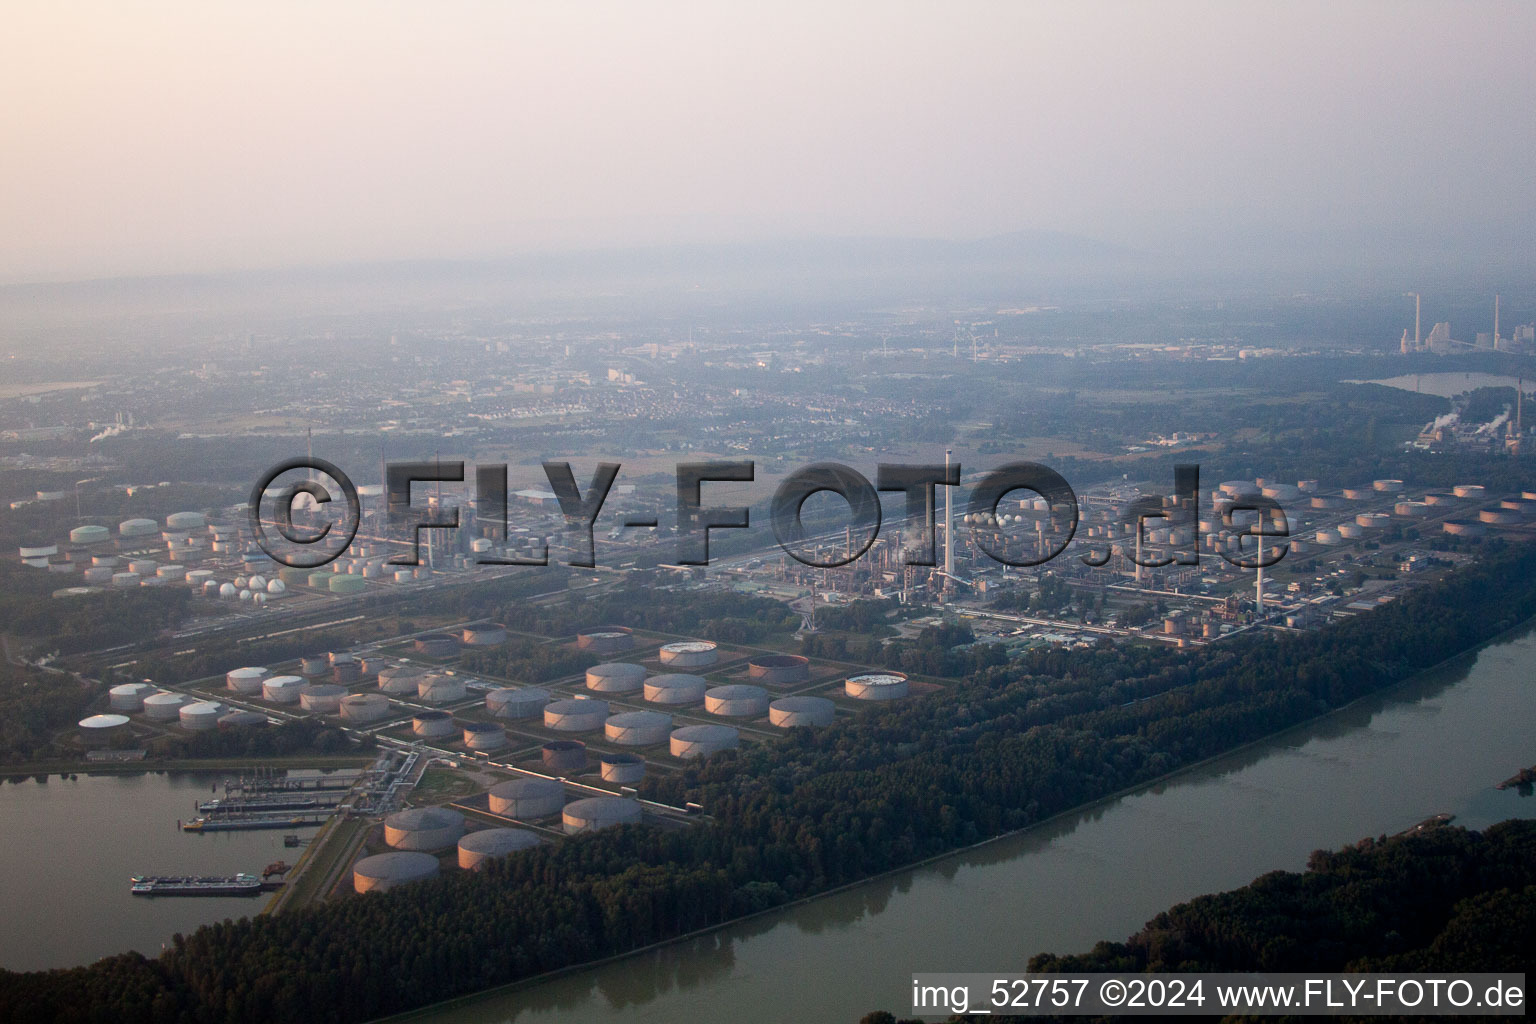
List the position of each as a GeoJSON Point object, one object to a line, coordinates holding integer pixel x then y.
{"type": "Point", "coordinates": [242, 720]}
{"type": "Point", "coordinates": [437, 645]}
{"type": "Point", "coordinates": [1319, 501]}
{"type": "Point", "coordinates": [1469, 490]}
{"type": "Point", "coordinates": [346, 584]}
{"type": "Point", "coordinates": [703, 740]}
{"type": "Point", "coordinates": [441, 689]}
{"type": "Point", "coordinates": [345, 669]}
{"type": "Point", "coordinates": [615, 677]}
{"type": "Point", "coordinates": [185, 521]}
{"type": "Point", "coordinates": [576, 715]}
{"type": "Point", "coordinates": [284, 689]}
{"type": "Point", "coordinates": [1239, 488]}
{"type": "Point", "coordinates": [484, 736]}
{"type": "Point", "coordinates": [737, 701]}
{"type": "Point", "coordinates": [597, 812]}
{"type": "Point", "coordinates": [787, 712]}
{"type": "Point", "coordinates": [314, 664]}
{"type": "Point", "coordinates": [779, 669]}
{"type": "Point", "coordinates": [131, 529]}
{"type": "Point", "coordinates": [511, 702]}
{"type": "Point", "coordinates": [384, 871]}
{"type": "Point", "coordinates": [171, 573]}
{"type": "Point", "coordinates": [433, 724]}
{"type": "Point", "coordinates": [638, 728]}
{"type": "Point", "coordinates": [606, 640]}
{"type": "Point", "coordinates": [399, 680]}
{"type": "Point", "coordinates": [200, 716]}
{"type": "Point", "coordinates": [423, 828]}
{"type": "Point", "coordinates": [364, 707]}
{"type": "Point", "coordinates": [1306, 486]}
{"type": "Point", "coordinates": [1500, 517]}
{"type": "Point", "coordinates": [143, 566]}
{"type": "Point", "coordinates": [564, 757]}
{"type": "Point", "coordinates": [527, 798]}
{"type": "Point", "coordinates": [322, 698]}
{"type": "Point", "coordinates": [1387, 486]}
{"type": "Point", "coordinates": [485, 634]}
{"type": "Point", "coordinates": [1439, 498]}
{"type": "Point", "coordinates": [1410, 508]}
{"type": "Point", "coordinates": [490, 843]}
{"type": "Point", "coordinates": [1282, 492]}
{"type": "Point", "coordinates": [1373, 520]}
{"type": "Point", "coordinates": [1351, 531]}
{"type": "Point", "coordinates": [1454, 527]}
{"type": "Point", "coordinates": [89, 535]}
{"type": "Point", "coordinates": [876, 686]}
{"type": "Point", "coordinates": [246, 680]}
{"type": "Point", "coordinates": [623, 768]}
{"type": "Point", "coordinates": [163, 707]}
{"type": "Point", "coordinates": [121, 579]}
{"type": "Point", "coordinates": [675, 688]}
{"type": "Point", "coordinates": [129, 696]}
{"type": "Point", "coordinates": [689, 654]}
{"type": "Point", "coordinates": [99, 731]}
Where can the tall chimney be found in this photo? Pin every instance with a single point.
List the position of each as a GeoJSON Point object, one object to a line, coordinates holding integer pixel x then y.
{"type": "Point", "coordinates": [949, 522]}
{"type": "Point", "coordinates": [1416, 341]}
{"type": "Point", "coordinates": [1495, 321]}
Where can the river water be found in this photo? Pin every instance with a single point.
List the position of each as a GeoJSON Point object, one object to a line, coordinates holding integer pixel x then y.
{"type": "Point", "coordinates": [71, 846]}
{"type": "Point", "coordinates": [1439, 742]}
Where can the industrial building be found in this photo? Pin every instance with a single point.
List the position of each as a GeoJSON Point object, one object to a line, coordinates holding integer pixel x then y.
{"type": "Point", "coordinates": [476, 848]}
{"type": "Point", "coordinates": [638, 728]}
{"type": "Point", "coordinates": [675, 688]}
{"type": "Point", "coordinates": [527, 798]}
{"type": "Point", "coordinates": [599, 812]}
{"type": "Point", "coordinates": [615, 677]}
{"type": "Point", "coordinates": [511, 702]}
{"type": "Point", "coordinates": [876, 686]}
{"type": "Point", "coordinates": [787, 712]}
{"type": "Point", "coordinates": [576, 715]}
{"type": "Point", "coordinates": [703, 740]}
{"type": "Point", "coordinates": [737, 701]}
{"type": "Point", "coordinates": [384, 871]}
{"type": "Point", "coordinates": [423, 828]}
{"type": "Point", "coordinates": [689, 654]}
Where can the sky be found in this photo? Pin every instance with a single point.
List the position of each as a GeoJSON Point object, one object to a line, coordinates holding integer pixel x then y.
{"type": "Point", "coordinates": [180, 135]}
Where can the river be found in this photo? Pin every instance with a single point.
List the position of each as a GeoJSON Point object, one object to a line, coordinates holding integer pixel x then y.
{"type": "Point", "coordinates": [1439, 742]}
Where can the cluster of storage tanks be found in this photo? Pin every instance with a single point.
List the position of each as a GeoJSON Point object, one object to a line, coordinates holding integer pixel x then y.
{"type": "Point", "coordinates": [161, 707]}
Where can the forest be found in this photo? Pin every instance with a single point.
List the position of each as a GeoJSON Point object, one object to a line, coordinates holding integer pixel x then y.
{"type": "Point", "coordinates": [1004, 748]}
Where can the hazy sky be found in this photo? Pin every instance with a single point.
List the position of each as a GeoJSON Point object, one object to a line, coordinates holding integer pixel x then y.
{"type": "Point", "coordinates": [167, 136]}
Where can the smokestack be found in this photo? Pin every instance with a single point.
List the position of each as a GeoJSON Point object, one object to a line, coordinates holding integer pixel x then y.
{"type": "Point", "coordinates": [1416, 341]}
{"type": "Point", "coordinates": [1260, 588]}
{"type": "Point", "coordinates": [949, 523]}
{"type": "Point", "coordinates": [1495, 321]}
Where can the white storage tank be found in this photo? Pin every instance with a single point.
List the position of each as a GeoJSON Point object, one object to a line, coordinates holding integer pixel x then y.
{"type": "Point", "coordinates": [476, 848]}
{"type": "Point", "coordinates": [689, 654]}
{"type": "Point", "coordinates": [423, 828]}
{"type": "Point", "coordinates": [132, 529]}
{"type": "Point", "coordinates": [703, 740]}
{"type": "Point", "coordinates": [484, 736]}
{"type": "Point", "coordinates": [876, 686]}
{"type": "Point", "coordinates": [675, 688]}
{"type": "Point", "coordinates": [433, 724]}
{"type": "Point", "coordinates": [201, 716]}
{"type": "Point", "coordinates": [284, 689]}
{"type": "Point", "coordinates": [1469, 490]}
{"type": "Point", "coordinates": [638, 728]}
{"type": "Point", "coordinates": [787, 712]}
{"type": "Point", "coordinates": [486, 634]}
{"type": "Point", "coordinates": [438, 689]}
{"type": "Point", "coordinates": [615, 677]}
{"type": "Point", "coordinates": [316, 665]}
{"type": "Point", "coordinates": [511, 702]}
{"type": "Point", "coordinates": [384, 871]}
{"type": "Point", "coordinates": [125, 579]}
{"type": "Point", "coordinates": [527, 798]}
{"type": "Point", "coordinates": [183, 521]}
{"type": "Point", "coordinates": [400, 680]}
{"type": "Point", "coordinates": [100, 731]}
{"type": "Point", "coordinates": [129, 696]}
{"type": "Point", "coordinates": [246, 680]}
{"type": "Point", "coordinates": [163, 707]}
{"type": "Point", "coordinates": [737, 701]}
{"type": "Point", "coordinates": [576, 715]}
{"type": "Point", "coordinates": [599, 812]}
{"type": "Point", "coordinates": [1387, 486]}
{"type": "Point", "coordinates": [606, 640]}
{"type": "Point", "coordinates": [364, 707]}
{"type": "Point", "coordinates": [322, 698]}
{"type": "Point", "coordinates": [621, 768]}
